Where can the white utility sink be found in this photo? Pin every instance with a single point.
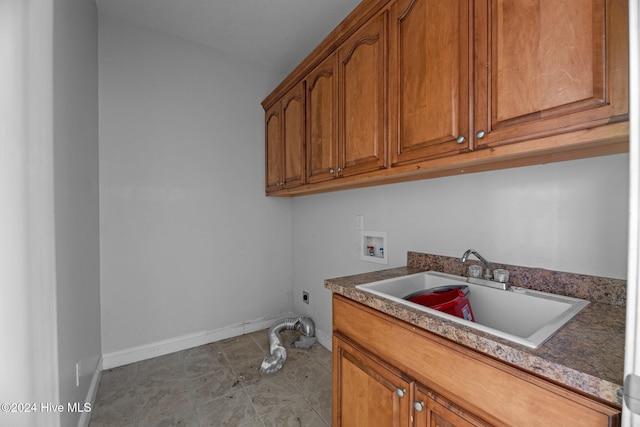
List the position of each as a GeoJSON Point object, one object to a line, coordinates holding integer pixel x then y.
{"type": "Point", "coordinates": [519, 315]}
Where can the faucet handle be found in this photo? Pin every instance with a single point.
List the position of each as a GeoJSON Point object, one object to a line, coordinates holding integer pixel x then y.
{"type": "Point", "coordinates": [475, 271]}
{"type": "Point", "coordinates": [501, 275]}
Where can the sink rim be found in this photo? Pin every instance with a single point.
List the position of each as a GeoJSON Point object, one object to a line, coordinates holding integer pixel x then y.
{"type": "Point", "coordinates": [535, 340]}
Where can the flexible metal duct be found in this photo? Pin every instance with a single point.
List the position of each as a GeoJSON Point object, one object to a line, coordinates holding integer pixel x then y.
{"type": "Point", "coordinates": [274, 362]}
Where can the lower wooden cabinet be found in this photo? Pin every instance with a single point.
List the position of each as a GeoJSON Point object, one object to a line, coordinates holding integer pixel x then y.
{"type": "Point", "coordinates": [389, 373]}
{"type": "Point", "coordinates": [368, 393]}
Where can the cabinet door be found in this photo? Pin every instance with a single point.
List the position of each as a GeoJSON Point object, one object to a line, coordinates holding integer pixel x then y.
{"type": "Point", "coordinates": [322, 120]}
{"type": "Point", "coordinates": [432, 410]}
{"type": "Point", "coordinates": [274, 149]}
{"type": "Point", "coordinates": [546, 67]}
{"type": "Point", "coordinates": [363, 79]}
{"type": "Point", "coordinates": [430, 77]}
{"type": "Point", "coordinates": [366, 393]}
{"type": "Point", "coordinates": [293, 135]}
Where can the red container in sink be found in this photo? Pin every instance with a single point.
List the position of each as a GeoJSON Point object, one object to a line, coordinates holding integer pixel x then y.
{"type": "Point", "coordinates": [450, 299]}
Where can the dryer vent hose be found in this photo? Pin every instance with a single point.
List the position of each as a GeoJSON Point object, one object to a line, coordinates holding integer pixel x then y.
{"type": "Point", "coordinates": [274, 361]}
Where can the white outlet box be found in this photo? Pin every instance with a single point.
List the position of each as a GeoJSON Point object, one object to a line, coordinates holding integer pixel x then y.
{"type": "Point", "coordinates": [373, 247]}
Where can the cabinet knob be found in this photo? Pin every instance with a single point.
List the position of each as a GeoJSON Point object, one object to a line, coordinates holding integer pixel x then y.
{"type": "Point", "coordinates": [480, 134]}
{"type": "Point", "coordinates": [418, 406]}
{"type": "Point", "coordinates": [339, 170]}
{"type": "Point", "coordinates": [460, 139]}
{"type": "Point", "coordinates": [400, 392]}
{"type": "Point", "coordinates": [332, 170]}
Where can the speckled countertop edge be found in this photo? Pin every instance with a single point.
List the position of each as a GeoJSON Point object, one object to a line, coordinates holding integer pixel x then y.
{"type": "Point", "coordinates": [586, 354]}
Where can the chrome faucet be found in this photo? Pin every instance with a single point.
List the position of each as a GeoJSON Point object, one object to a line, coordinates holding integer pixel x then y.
{"type": "Point", "coordinates": [487, 265]}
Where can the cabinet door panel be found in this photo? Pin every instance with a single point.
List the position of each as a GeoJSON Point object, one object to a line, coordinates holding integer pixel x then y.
{"type": "Point", "coordinates": [429, 78]}
{"type": "Point", "coordinates": [293, 116]}
{"type": "Point", "coordinates": [551, 52]}
{"type": "Point", "coordinates": [539, 73]}
{"type": "Point", "coordinates": [365, 393]}
{"type": "Point", "coordinates": [362, 99]}
{"type": "Point", "coordinates": [274, 163]}
{"type": "Point", "coordinates": [322, 100]}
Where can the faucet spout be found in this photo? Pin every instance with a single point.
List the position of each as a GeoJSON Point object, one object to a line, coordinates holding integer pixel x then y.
{"type": "Point", "coordinates": [487, 265]}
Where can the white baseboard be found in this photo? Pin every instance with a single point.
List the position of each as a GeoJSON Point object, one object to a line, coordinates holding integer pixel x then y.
{"type": "Point", "coordinates": [324, 339]}
{"type": "Point", "coordinates": [91, 394]}
{"type": "Point", "coordinates": [160, 348]}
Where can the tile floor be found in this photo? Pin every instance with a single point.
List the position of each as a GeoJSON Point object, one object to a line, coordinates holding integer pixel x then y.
{"type": "Point", "coordinates": [219, 384]}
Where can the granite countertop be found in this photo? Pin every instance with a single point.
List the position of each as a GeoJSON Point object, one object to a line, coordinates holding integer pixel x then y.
{"type": "Point", "coordinates": [586, 354]}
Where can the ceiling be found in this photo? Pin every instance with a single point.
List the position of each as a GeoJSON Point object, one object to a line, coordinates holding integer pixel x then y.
{"type": "Point", "coordinates": [277, 33]}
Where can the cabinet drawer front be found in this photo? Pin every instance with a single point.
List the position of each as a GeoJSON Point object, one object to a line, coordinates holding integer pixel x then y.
{"type": "Point", "coordinates": [495, 391]}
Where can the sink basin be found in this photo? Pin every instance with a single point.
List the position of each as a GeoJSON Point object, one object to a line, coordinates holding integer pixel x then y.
{"type": "Point", "coordinates": [519, 315]}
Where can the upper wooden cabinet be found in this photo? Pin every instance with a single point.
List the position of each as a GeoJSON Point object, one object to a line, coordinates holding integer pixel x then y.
{"type": "Point", "coordinates": [274, 149]}
{"type": "Point", "coordinates": [322, 121]}
{"type": "Point", "coordinates": [285, 141]}
{"type": "Point", "coordinates": [430, 77]}
{"type": "Point", "coordinates": [411, 89]}
{"type": "Point", "coordinates": [346, 93]}
{"type": "Point", "coordinates": [535, 68]}
{"type": "Point", "coordinates": [362, 81]}
{"type": "Point", "coordinates": [544, 67]}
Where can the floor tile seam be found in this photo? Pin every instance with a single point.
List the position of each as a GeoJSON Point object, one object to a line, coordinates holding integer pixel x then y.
{"type": "Point", "coordinates": [255, 340]}
{"type": "Point", "coordinates": [168, 384]}
{"type": "Point", "coordinates": [199, 413]}
{"type": "Point", "coordinates": [162, 376]}
{"type": "Point", "coordinates": [236, 341]}
{"type": "Point", "coordinates": [138, 423]}
{"type": "Point", "coordinates": [155, 365]}
{"type": "Point", "coordinates": [253, 359]}
{"type": "Point", "coordinates": [218, 396]}
{"type": "Point", "coordinates": [105, 408]}
{"type": "Point", "coordinates": [255, 410]}
{"type": "Point", "coordinates": [312, 406]}
{"type": "Point", "coordinates": [273, 377]}
{"type": "Point", "coordinates": [240, 377]}
{"type": "Point", "coordinates": [210, 372]}
{"type": "Point", "coordinates": [137, 405]}
{"type": "Point", "coordinates": [169, 416]}
{"type": "Point", "coordinates": [104, 388]}
{"type": "Point", "coordinates": [320, 363]}
{"type": "Point", "coordinates": [239, 361]}
{"type": "Point", "coordinates": [317, 362]}
{"type": "Point", "coordinates": [306, 395]}
{"type": "Point", "coordinates": [116, 402]}
{"type": "Point", "coordinates": [296, 370]}
{"type": "Point", "coordinates": [295, 385]}
{"type": "Point", "coordinates": [280, 408]}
